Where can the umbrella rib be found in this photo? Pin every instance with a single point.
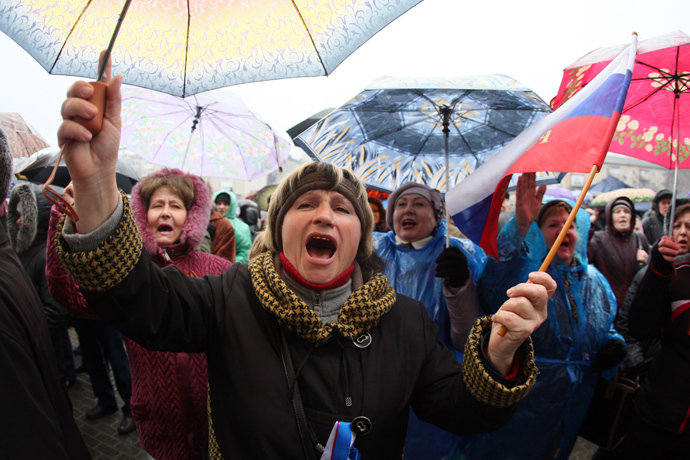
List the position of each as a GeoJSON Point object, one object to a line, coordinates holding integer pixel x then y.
{"type": "Point", "coordinates": [64, 43]}
{"type": "Point", "coordinates": [214, 122]}
{"type": "Point", "coordinates": [165, 138]}
{"type": "Point", "coordinates": [299, 13]}
{"type": "Point", "coordinates": [396, 129]}
{"type": "Point", "coordinates": [658, 69]}
{"type": "Point", "coordinates": [644, 99]}
{"type": "Point", "coordinates": [186, 54]}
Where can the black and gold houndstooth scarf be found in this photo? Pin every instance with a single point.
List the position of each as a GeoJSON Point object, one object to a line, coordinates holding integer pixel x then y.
{"type": "Point", "coordinates": [360, 312]}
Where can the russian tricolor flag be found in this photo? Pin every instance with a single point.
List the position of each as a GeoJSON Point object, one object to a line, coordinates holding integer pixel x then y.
{"type": "Point", "coordinates": [572, 139]}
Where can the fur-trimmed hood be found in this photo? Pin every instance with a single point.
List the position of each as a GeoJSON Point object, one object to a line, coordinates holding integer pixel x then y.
{"type": "Point", "coordinates": [5, 164]}
{"type": "Point", "coordinates": [198, 215]}
{"type": "Point", "coordinates": [22, 203]}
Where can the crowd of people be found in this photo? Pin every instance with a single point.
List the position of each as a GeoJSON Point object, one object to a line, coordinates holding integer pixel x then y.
{"type": "Point", "coordinates": [345, 326]}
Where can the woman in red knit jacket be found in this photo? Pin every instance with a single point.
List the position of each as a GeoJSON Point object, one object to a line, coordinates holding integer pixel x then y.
{"type": "Point", "coordinates": [168, 402]}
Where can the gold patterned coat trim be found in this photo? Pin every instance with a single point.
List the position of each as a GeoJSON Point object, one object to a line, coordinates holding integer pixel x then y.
{"type": "Point", "coordinates": [481, 385]}
{"type": "Point", "coordinates": [360, 312]}
{"type": "Point", "coordinates": [111, 262]}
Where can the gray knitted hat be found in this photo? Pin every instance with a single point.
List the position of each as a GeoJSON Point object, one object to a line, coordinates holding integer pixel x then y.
{"type": "Point", "coordinates": [431, 194]}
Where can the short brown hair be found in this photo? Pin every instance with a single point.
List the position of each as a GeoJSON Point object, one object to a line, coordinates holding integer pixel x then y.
{"type": "Point", "coordinates": [180, 185]}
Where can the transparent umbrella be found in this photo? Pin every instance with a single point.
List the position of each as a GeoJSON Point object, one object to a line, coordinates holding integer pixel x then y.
{"type": "Point", "coordinates": [210, 137]}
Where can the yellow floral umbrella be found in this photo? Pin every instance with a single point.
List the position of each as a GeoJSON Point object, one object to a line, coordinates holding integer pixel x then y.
{"type": "Point", "coordinates": [183, 48]}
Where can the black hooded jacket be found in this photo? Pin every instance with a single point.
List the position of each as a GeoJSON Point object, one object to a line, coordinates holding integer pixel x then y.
{"type": "Point", "coordinates": [653, 225]}
{"type": "Point", "coordinates": [30, 244]}
{"type": "Point", "coordinates": [614, 253]}
{"type": "Point", "coordinates": [37, 419]}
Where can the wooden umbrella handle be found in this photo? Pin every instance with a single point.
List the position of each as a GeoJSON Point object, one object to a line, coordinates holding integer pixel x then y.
{"type": "Point", "coordinates": [98, 99]}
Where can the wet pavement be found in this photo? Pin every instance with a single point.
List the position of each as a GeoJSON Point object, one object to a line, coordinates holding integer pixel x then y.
{"type": "Point", "coordinates": [100, 435]}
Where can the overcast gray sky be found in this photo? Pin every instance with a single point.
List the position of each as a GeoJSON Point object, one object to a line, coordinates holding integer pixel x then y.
{"type": "Point", "coordinates": [531, 41]}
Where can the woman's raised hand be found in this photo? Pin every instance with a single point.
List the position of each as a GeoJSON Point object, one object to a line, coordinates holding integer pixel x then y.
{"type": "Point", "coordinates": [527, 201]}
{"type": "Point", "coordinates": [92, 159]}
{"type": "Point", "coordinates": [522, 314]}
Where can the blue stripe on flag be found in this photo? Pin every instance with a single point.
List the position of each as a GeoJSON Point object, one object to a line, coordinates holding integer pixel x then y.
{"type": "Point", "coordinates": [473, 219]}
{"type": "Point", "coordinates": [603, 101]}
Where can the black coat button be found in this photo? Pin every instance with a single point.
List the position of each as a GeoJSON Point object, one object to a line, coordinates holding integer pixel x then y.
{"type": "Point", "coordinates": [361, 426]}
{"type": "Point", "coordinates": [363, 340]}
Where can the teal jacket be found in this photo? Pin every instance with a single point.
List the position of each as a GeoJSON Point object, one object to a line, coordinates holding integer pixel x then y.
{"type": "Point", "coordinates": [243, 235]}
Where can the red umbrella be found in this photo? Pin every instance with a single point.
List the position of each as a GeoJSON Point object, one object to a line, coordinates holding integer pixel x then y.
{"type": "Point", "coordinates": [655, 122]}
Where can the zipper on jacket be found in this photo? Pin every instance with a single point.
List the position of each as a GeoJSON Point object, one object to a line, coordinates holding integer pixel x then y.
{"type": "Point", "coordinates": [317, 303]}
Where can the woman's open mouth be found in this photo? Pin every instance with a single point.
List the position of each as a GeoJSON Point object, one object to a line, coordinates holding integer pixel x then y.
{"type": "Point", "coordinates": [408, 223]}
{"type": "Point", "coordinates": [164, 228]}
{"type": "Point", "coordinates": [321, 247]}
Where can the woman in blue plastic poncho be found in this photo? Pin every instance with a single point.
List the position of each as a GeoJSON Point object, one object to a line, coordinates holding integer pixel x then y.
{"type": "Point", "coordinates": [418, 265]}
{"type": "Point", "coordinates": [572, 348]}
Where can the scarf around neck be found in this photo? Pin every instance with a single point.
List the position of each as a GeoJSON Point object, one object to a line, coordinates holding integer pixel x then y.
{"type": "Point", "coordinates": [360, 312]}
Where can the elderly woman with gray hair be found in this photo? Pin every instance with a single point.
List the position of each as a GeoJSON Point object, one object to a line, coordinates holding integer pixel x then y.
{"type": "Point", "coordinates": [306, 344]}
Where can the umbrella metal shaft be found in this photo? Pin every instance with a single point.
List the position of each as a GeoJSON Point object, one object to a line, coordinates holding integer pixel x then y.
{"type": "Point", "coordinates": [106, 56]}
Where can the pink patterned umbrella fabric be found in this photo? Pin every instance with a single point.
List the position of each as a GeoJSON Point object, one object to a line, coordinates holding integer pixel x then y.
{"type": "Point", "coordinates": [655, 123]}
{"type": "Point", "coordinates": [209, 137]}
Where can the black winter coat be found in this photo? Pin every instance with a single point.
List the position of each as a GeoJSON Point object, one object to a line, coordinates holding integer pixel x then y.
{"type": "Point", "coordinates": [36, 420]}
{"type": "Point", "coordinates": [614, 253]}
{"type": "Point", "coordinates": [251, 415]}
{"type": "Point", "coordinates": [32, 253]}
{"type": "Point", "coordinates": [661, 308]}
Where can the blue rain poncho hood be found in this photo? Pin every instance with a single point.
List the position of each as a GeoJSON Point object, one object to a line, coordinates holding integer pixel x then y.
{"type": "Point", "coordinates": [550, 416]}
{"type": "Point", "coordinates": [412, 273]}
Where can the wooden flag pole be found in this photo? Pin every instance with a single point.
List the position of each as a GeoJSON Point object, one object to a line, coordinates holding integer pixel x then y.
{"type": "Point", "coordinates": [561, 236]}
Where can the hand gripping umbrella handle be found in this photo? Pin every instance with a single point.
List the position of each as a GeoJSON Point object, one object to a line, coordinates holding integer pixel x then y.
{"type": "Point", "coordinates": [98, 99]}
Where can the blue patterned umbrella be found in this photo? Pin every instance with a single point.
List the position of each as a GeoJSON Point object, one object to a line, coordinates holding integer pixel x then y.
{"type": "Point", "coordinates": [432, 131]}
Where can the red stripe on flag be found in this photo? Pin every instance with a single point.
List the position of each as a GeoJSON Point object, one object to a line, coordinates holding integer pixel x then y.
{"type": "Point", "coordinates": [490, 233]}
{"type": "Point", "coordinates": [575, 152]}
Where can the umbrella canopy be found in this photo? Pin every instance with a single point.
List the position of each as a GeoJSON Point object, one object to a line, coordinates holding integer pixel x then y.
{"type": "Point", "coordinates": [184, 48]}
{"type": "Point", "coordinates": [636, 195]}
{"type": "Point", "coordinates": [38, 171]}
{"type": "Point", "coordinates": [219, 137]}
{"type": "Point", "coordinates": [23, 138]}
{"type": "Point", "coordinates": [606, 185]}
{"type": "Point", "coordinates": [654, 125]}
{"type": "Point", "coordinates": [261, 197]}
{"type": "Point", "coordinates": [559, 192]}
{"type": "Point", "coordinates": [300, 127]}
{"type": "Point", "coordinates": [394, 132]}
